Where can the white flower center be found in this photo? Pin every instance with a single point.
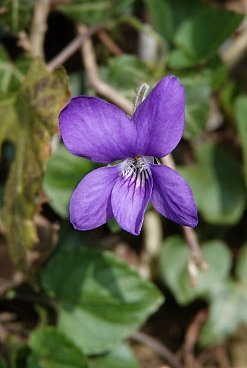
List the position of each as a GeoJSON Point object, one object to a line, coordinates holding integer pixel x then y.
{"type": "Point", "coordinates": [136, 170]}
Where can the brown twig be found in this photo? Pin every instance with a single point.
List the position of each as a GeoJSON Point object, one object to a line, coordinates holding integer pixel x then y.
{"type": "Point", "coordinates": [196, 258]}
{"type": "Point", "coordinates": [94, 80]}
{"type": "Point", "coordinates": [109, 43]}
{"type": "Point", "coordinates": [153, 235]}
{"type": "Point", "coordinates": [157, 346]}
{"type": "Point", "coordinates": [1, 227]}
{"type": "Point", "coordinates": [237, 49]}
{"type": "Point", "coordinates": [216, 356]}
{"type": "Point", "coordinates": [25, 43]}
{"type": "Point", "coordinates": [191, 338]}
{"type": "Point", "coordinates": [41, 11]}
{"type": "Point", "coordinates": [5, 285]}
{"type": "Point", "coordinates": [69, 50]}
{"type": "Point", "coordinates": [168, 161]}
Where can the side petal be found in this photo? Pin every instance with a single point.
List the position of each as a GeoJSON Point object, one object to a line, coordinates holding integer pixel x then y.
{"type": "Point", "coordinates": [159, 118]}
{"type": "Point", "coordinates": [97, 130]}
{"type": "Point", "coordinates": [129, 201]}
{"type": "Point", "coordinates": [90, 204]}
{"type": "Point", "coordinates": [172, 196]}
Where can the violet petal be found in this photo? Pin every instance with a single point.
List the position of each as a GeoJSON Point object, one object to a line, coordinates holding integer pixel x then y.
{"type": "Point", "coordinates": [97, 130]}
{"type": "Point", "coordinates": [172, 196]}
{"type": "Point", "coordinates": [129, 201]}
{"type": "Point", "coordinates": [159, 118]}
{"type": "Point", "coordinates": [90, 204]}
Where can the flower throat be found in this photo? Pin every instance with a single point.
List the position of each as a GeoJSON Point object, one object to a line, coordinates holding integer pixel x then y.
{"type": "Point", "coordinates": [136, 170]}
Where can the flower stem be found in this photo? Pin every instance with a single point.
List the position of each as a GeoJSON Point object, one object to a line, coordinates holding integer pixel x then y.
{"type": "Point", "coordinates": [141, 95]}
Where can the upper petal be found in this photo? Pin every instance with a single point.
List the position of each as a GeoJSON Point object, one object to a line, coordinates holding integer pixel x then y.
{"type": "Point", "coordinates": [90, 204]}
{"type": "Point", "coordinates": [97, 130]}
{"type": "Point", "coordinates": [160, 118]}
{"type": "Point", "coordinates": [172, 196]}
{"type": "Point", "coordinates": [129, 199]}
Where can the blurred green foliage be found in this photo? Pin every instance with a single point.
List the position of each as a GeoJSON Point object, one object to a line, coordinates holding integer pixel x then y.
{"type": "Point", "coordinates": [217, 175]}
{"type": "Point", "coordinates": [240, 114]}
{"type": "Point", "coordinates": [133, 72]}
{"type": "Point", "coordinates": [16, 15]}
{"type": "Point", "coordinates": [52, 349]}
{"type": "Point", "coordinates": [99, 12]}
{"type": "Point", "coordinates": [99, 292]}
{"type": "Point", "coordinates": [63, 173]}
{"type": "Point", "coordinates": [97, 299]}
{"type": "Point", "coordinates": [174, 250]}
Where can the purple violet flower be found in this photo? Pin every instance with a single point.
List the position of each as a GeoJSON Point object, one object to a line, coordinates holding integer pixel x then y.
{"type": "Point", "coordinates": [101, 132]}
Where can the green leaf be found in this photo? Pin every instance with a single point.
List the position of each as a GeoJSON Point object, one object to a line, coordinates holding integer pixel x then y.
{"type": "Point", "coordinates": [64, 171]}
{"type": "Point", "coordinates": [33, 118]}
{"type": "Point", "coordinates": [16, 14]}
{"type": "Point", "coordinates": [241, 121]}
{"type": "Point", "coordinates": [161, 15]}
{"type": "Point", "coordinates": [17, 354]}
{"type": "Point", "coordinates": [101, 299]}
{"type": "Point", "coordinates": [167, 15]}
{"type": "Point", "coordinates": [201, 35]}
{"type": "Point", "coordinates": [241, 267]}
{"type": "Point", "coordinates": [197, 105]}
{"type": "Point", "coordinates": [126, 73]}
{"type": "Point", "coordinates": [114, 226]}
{"type": "Point", "coordinates": [51, 349]}
{"type": "Point", "coordinates": [93, 12]}
{"type": "Point", "coordinates": [179, 59]}
{"type": "Point", "coordinates": [173, 268]}
{"type": "Point", "coordinates": [228, 305]}
{"type": "Point", "coordinates": [9, 121]}
{"type": "Point", "coordinates": [3, 365]}
{"type": "Point", "coordinates": [216, 73]}
{"type": "Point", "coordinates": [227, 98]}
{"type": "Point", "coordinates": [1, 197]}
{"type": "Point", "coordinates": [120, 357]}
{"type": "Point", "coordinates": [9, 73]}
{"type": "Point", "coordinates": [217, 184]}
{"type": "Point", "coordinates": [182, 10]}
{"type": "Point", "coordinates": [76, 83]}
{"type": "Point", "coordinates": [227, 313]}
